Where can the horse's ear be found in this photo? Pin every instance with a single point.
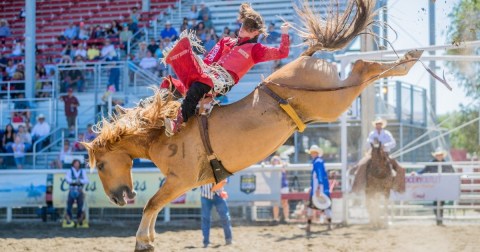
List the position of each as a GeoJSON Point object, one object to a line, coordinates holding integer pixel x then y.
{"type": "Point", "coordinates": [120, 110]}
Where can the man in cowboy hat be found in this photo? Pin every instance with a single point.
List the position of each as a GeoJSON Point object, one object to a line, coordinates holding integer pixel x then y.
{"type": "Point", "coordinates": [319, 184]}
{"type": "Point", "coordinates": [381, 135]}
{"type": "Point", "coordinates": [40, 130]}
{"type": "Point", "coordinates": [439, 155]}
{"type": "Point", "coordinates": [227, 62]}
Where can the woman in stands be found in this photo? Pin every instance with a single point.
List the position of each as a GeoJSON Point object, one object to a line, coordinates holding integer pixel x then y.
{"type": "Point", "coordinates": [8, 138]}
{"type": "Point", "coordinates": [228, 61]}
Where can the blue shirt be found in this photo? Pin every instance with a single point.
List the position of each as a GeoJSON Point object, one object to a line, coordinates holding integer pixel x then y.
{"type": "Point", "coordinates": [319, 176]}
{"type": "Point", "coordinates": [168, 33]}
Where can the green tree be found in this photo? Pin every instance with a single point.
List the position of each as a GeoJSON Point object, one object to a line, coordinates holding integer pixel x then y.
{"type": "Point", "coordinates": [467, 137]}
{"type": "Point", "coordinates": [465, 26]}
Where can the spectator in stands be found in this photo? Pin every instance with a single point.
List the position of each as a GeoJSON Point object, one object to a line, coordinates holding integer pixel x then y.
{"type": "Point", "coordinates": [84, 33]}
{"type": "Point", "coordinates": [93, 53]}
{"type": "Point", "coordinates": [90, 134]}
{"type": "Point", "coordinates": [25, 137]}
{"type": "Point", "coordinates": [22, 106]}
{"type": "Point", "coordinates": [80, 51]}
{"type": "Point", "coordinates": [10, 69]}
{"type": "Point", "coordinates": [18, 148]}
{"type": "Point", "coordinates": [218, 199]}
{"type": "Point", "coordinates": [148, 63]}
{"type": "Point", "coordinates": [77, 178]}
{"type": "Point", "coordinates": [98, 33]}
{"type": "Point", "coordinates": [152, 47]}
{"type": "Point", "coordinates": [108, 51]}
{"type": "Point", "coordinates": [40, 130]}
{"type": "Point", "coordinates": [226, 32]}
{"type": "Point", "coordinates": [22, 14]}
{"type": "Point", "coordinates": [276, 161]}
{"type": "Point", "coordinates": [142, 51]}
{"type": "Point", "coordinates": [45, 87]}
{"type": "Point", "coordinates": [114, 28]}
{"type": "Point", "coordinates": [212, 33]}
{"type": "Point", "coordinates": [71, 32]}
{"type": "Point", "coordinates": [71, 110]}
{"type": "Point", "coordinates": [184, 26]}
{"type": "Point", "coordinates": [66, 150]}
{"type": "Point", "coordinates": [207, 22]}
{"type": "Point", "coordinates": [50, 65]}
{"type": "Point", "coordinates": [169, 32]}
{"type": "Point", "coordinates": [3, 61]}
{"type": "Point", "coordinates": [18, 49]}
{"type": "Point", "coordinates": [77, 146]}
{"type": "Point", "coordinates": [125, 35]}
{"type": "Point", "coordinates": [209, 43]}
{"type": "Point", "coordinates": [439, 156]}
{"type": "Point", "coordinates": [159, 52]}
{"type": "Point", "coordinates": [8, 138]}
{"type": "Point", "coordinates": [204, 10]}
{"type": "Point", "coordinates": [134, 18]}
{"type": "Point", "coordinates": [68, 51]}
{"type": "Point", "coordinates": [72, 78]}
{"type": "Point", "coordinates": [40, 69]}
{"type": "Point", "coordinates": [4, 32]}
{"type": "Point", "coordinates": [200, 31]}
{"type": "Point", "coordinates": [193, 13]}
{"type": "Point", "coordinates": [273, 36]}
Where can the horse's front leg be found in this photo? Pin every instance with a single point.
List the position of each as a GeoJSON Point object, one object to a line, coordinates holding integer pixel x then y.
{"type": "Point", "coordinates": [146, 231]}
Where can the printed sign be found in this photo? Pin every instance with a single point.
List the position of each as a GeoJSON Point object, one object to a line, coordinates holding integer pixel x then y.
{"type": "Point", "coordinates": [430, 187]}
{"type": "Point", "coordinates": [22, 190]}
{"type": "Point", "coordinates": [248, 186]}
{"type": "Point", "coordinates": [247, 183]}
{"type": "Point", "coordinates": [146, 184]}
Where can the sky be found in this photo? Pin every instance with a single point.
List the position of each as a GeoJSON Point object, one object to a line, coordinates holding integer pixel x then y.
{"type": "Point", "coordinates": [409, 18]}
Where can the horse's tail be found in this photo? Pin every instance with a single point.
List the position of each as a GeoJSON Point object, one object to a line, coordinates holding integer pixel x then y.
{"type": "Point", "coordinates": [333, 30]}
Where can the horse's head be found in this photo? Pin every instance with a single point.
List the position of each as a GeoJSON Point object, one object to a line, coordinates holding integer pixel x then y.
{"type": "Point", "coordinates": [114, 169]}
{"type": "Point", "coordinates": [379, 156]}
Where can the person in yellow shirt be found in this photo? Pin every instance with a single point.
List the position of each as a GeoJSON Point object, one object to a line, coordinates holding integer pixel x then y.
{"type": "Point", "coordinates": [93, 52]}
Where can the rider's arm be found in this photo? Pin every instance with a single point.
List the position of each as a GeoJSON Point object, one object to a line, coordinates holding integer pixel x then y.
{"type": "Point", "coordinates": [84, 179]}
{"type": "Point", "coordinates": [261, 53]}
{"type": "Point", "coordinates": [391, 143]}
{"type": "Point", "coordinates": [68, 176]}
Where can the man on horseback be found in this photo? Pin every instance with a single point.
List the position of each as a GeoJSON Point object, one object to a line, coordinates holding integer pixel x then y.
{"type": "Point", "coordinates": [381, 135]}
{"type": "Point", "coordinates": [227, 62]}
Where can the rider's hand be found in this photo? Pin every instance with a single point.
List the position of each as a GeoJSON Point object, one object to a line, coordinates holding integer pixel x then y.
{"type": "Point", "coordinates": [284, 28]}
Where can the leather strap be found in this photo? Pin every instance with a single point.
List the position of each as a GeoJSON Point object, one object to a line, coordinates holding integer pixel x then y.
{"type": "Point", "coordinates": [203, 124]}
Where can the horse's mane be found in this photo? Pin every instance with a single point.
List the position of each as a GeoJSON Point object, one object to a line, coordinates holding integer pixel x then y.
{"type": "Point", "coordinates": [334, 30]}
{"type": "Point", "coordinates": [149, 114]}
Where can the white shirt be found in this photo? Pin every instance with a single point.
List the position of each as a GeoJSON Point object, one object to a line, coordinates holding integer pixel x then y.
{"type": "Point", "coordinates": [384, 137]}
{"type": "Point", "coordinates": [206, 191]}
{"type": "Point", "coordinates": [41, 129]}
{"type": "Point", "coordinates": [81, 52]}
{"type": "Point", "coordinates": [108, 52]}
{"type": "Point", "coordinates": [148, 62]}
{"type": "Point", "coordinates": [83, 180]}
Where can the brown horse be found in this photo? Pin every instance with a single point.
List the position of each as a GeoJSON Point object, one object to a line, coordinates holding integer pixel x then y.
{"type": "Point", "coordinates": [242, 133]}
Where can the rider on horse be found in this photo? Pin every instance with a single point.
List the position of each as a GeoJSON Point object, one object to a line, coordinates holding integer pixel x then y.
{"type": "Point", "coordinates": [381, 135]}
{"type": "Point", "coordinates": [227, 62]}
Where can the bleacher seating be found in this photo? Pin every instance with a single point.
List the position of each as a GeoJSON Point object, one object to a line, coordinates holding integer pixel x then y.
{"type": "Point", "coordinates": [53, 16]}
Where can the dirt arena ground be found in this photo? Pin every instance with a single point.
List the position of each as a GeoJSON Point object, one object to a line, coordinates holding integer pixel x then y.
{"type": "Point", "coordinates": [406, 236]}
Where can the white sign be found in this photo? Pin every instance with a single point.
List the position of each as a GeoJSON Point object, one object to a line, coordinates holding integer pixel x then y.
{"type": "Point", "coordinates": [429, 187]}
{"type": "Point", "coordinates": [254, 186]}
{"type": "Point", "coordinates": [22, 190]}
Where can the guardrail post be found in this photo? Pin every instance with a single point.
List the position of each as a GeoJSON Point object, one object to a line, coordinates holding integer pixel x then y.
{"type": "Point", "coordinates": [9, 214]}
{"type": "Point", "coordinates": [166, 214]}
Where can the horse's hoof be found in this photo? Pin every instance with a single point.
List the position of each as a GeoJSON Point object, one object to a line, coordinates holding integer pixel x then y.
{"type": "Point", "coordinates": [144, 248]}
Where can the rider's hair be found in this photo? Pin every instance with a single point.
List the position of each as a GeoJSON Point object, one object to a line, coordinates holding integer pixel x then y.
{"type": "Point", "coordinates": [251, 20]}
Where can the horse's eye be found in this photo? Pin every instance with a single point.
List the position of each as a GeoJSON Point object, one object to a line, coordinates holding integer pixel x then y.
{"type": "Point", "coordinates": [100, 166]}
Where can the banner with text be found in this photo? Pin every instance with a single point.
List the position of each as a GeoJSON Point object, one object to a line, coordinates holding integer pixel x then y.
{"type": "Point", "coordinates": [145, 184]}
{"type": "Point", "coordinates": [22, 190]}
{"type": "Point", "coordinates": [430, 187]}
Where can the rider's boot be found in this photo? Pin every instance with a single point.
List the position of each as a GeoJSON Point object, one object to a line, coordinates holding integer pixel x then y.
{"type": "Point", "coordinates": [172, 126]}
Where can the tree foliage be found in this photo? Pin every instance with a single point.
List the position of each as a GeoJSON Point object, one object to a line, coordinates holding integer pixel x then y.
{"type": "Point", "coordinates": [465, 26]}
{"type": "Point", "coordinates": [467, 137]}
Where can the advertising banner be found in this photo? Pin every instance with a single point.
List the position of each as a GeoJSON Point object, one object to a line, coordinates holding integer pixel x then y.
{"type": "Point", "coordinates": [146, 184]}
{"type": "Point", "coordinates": [254, 186]}
{"type": "Point", "coordinates": [430, 187]}
{"type": "Point", "coordinates": [22, 190]}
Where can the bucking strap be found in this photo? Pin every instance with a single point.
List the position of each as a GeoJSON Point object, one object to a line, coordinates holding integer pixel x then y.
{"type": "Point", "coordinates": [285, 106]}
{"type": "Point", "coordinates": [219, 171]}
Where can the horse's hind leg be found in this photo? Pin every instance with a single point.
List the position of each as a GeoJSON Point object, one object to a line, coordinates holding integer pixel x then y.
{"type": "Point", "coordinates": [146, 231]}
{"type": "Point", "coordinates": [365, 72]}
